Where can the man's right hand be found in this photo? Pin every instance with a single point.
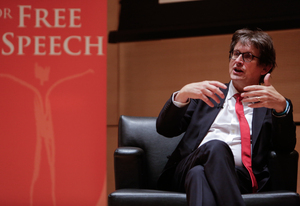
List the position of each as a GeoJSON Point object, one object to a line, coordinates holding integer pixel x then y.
{"type": "Point", "coordinates": [201, 90]}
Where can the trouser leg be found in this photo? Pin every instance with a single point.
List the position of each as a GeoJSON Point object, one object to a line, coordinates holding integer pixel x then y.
{"type": "Point", "coordinates": [219, 169]}
{"type": "Point", "coordinates": [197, 188]}
{"type": "Point", "coordinates": [244, 179]}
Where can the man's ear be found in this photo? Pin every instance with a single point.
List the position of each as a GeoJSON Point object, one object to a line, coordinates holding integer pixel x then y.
{"type": "Point", "coordinates": [266, 69]}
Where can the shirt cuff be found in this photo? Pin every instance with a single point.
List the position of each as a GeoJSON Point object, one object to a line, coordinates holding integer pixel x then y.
{"type": "Point", "coordinates": [284, 113]}
{"type": "Point", "coordinates": [179, 104]}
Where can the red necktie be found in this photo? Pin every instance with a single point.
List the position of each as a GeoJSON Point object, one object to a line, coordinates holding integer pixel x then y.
{"type": "Point", "coordinates": [245, 138]}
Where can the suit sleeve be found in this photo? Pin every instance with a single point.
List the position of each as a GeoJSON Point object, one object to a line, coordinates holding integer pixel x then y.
{"type": "Point", "coordinates": [172, 120]}
{"type": "Point", "coordinates": [284, 130]}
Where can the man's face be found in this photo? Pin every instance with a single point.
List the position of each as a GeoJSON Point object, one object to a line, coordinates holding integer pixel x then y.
{"type": "Point", "coordinates": [243, 73]}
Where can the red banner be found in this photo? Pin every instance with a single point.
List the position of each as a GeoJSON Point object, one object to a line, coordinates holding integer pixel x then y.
{"type": "Point", "coordinates": [53, 102]}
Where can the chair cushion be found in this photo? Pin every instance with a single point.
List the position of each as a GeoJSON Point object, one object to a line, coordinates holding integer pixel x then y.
{"type": "Point", "coordinates": [141, 197]}
{"type": "Point", "coordinates": [274, 198]}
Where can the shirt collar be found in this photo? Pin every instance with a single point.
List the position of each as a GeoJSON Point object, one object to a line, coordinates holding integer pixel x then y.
{"type": "Point", "coordinates": [231, 91]}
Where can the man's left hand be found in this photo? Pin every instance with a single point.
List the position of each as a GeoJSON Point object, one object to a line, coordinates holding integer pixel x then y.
{"type": "Point", "coordinates": [264, 96]}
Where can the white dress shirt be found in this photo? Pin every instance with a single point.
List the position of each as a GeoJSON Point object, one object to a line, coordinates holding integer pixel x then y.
{"type": "Point", "coordinates": [226, 126]}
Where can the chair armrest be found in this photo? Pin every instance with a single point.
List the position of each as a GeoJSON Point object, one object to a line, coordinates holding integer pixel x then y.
{"type": "Point", "coordinates": [283, 171]}
{"type": "Point", "coordinates": [129, 167]}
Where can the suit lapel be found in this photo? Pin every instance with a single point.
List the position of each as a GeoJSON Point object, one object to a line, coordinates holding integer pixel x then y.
{"type": "Point", "coordinates": [257, 122]}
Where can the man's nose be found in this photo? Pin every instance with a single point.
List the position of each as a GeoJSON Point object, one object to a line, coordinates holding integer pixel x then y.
{"type": "Point", "coordinates": [240, 59]}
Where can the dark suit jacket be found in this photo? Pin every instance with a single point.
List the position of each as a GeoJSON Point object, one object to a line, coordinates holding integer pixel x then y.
{"type": "Point", "coordinates": [268, 133]}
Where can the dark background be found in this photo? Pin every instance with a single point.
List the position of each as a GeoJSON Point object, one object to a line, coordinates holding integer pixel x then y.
{"type": "Point", "coordinates": [141, 20]}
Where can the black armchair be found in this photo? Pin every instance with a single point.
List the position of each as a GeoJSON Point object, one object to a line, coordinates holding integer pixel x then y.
{"type": "Point", "coordinates": [142, 154]}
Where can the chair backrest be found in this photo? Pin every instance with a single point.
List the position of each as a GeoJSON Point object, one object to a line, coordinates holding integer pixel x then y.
{"type": "Point", "coordinates": [141, 132]}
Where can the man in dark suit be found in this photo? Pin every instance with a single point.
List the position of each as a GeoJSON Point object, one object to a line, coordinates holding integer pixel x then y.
{"type": "Point", "coordinates": [209, 163]}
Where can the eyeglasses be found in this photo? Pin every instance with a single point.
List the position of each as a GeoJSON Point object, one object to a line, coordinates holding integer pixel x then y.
{"type": "Point", "coordinates": [247, 56]}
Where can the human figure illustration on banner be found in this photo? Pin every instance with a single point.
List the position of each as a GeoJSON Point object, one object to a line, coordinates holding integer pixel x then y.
{"type": "Point", "coordinates": [44, 123]}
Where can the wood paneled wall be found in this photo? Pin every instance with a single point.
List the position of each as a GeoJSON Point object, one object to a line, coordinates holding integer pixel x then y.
{"type": "Point", "coordinates": [142, 75]}
{"type": "Point", "coordinates": [150, 71]}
